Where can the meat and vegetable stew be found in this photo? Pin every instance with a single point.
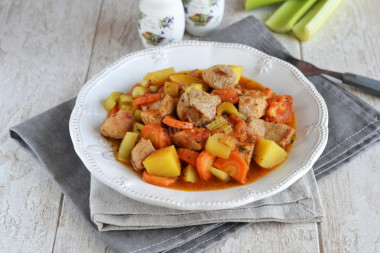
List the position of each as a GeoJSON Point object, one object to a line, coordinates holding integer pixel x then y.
{"type": "Point", "coordinates": [200, 129]}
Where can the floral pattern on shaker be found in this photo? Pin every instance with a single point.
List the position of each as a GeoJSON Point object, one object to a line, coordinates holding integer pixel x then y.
{"type": "Point", "coordinates": [212, 3]}
{"type": "Point", "coordinates": [140, 17]}
{"type": "Point", "coordinates": [186, 5]}
{"type": "Point", "coordinates": [166, 23]}
{"type": "Point", "coordinates": [153, 39]}
{"type": "Point", "coordinates": [200, 19]}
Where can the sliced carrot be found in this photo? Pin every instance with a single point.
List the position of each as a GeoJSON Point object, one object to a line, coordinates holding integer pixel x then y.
{"type": "Point", "coordinates": [115, 109]}
{"type": "Point", "coordinates": [170, 121]}
{"type": "Point", "coordinates": [147, 98]}
{"type": "Point", "coordinates": [280, 109]}
{"type": "Point", "coordinates": [234, 165]}
{"type": "Point", "coordinates": [227, 95]}
{"type": "Point", "coordinates": [156, 180]}
{"type": "Point", "coordinates": [204, 163]}
{"type": "Point", "coordinates": [187, 155]}
{"type": "Point", "coordinates": [156, 134]}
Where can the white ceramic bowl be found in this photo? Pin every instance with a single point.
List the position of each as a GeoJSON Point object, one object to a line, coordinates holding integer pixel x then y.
{"type": "Point", "coordinates": [88, 115]}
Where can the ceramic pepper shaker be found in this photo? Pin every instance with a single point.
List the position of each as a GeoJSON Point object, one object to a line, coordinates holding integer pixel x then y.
{"type": "Point", "coordinates": [160, 22]}
{"type": "Point", "coordinates": [203, 16]}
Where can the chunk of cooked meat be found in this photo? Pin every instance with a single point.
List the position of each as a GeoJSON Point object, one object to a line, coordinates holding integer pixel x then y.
{"type": "Point", "coordinates": [245, 149]}
{"type": "Point", "coordinates": [164, 107]}
{"type": "Point", "coordinates": [219, 76]}
{"type": "Point", "coordinates": [280, 133]}
{"type": "Point", "coordinates": [151, 106]}
{"type": "Point", "coordinates": [194, 139]}
{"type": "Point", "coordinates": [142, 149]}
{"type": "Point", "coordinates": [117, 124]}
{"type": "Point", "coordinates": [197, 107]}
{"type": "Point", "coordinates": [253, 105]}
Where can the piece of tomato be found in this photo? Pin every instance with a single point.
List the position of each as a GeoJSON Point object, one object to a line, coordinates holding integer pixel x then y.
{"type": "Point", "coordinates": [280, 109]}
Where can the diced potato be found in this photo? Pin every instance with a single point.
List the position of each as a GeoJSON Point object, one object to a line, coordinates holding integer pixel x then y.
{"type": "Point", "coordinates": [171, 89]}
{"type": "Point", "coordinates": [111, 100]}
{"type": "Point", "coordinates": [219, 174]}
{"type": "Point", "coordinates": [268, 154]}
{"type": "Point", "coordinates": [217, 148]}
{"type": "Point", "coordinates": [188, 80]}
{"type": "Point", "coordinates": [163, 162]}
{"type": "Point", "coordinates": [126, 146]}
{"type": "Point", "coordinates": [195, 86]}
{"type": "Point", "coordinates": [138, 91]}
{"type": "Point", "coordinates": [190, 174]}
{"type": "Point", "coordinates": [159, 77]}
{"type": "Point", "coordinates": [238, 71]}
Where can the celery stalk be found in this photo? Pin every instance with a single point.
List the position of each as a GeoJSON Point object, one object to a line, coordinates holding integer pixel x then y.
{"type": "Point", "coordinates": [251, 4]}
{"type": "Point", "coordinates": [284, 18]}
{"type": "Point", "coordinates": [315, 19]}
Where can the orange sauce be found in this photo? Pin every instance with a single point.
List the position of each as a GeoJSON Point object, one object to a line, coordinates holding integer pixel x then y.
{"type": "Point", "coordinates": [255, 172]}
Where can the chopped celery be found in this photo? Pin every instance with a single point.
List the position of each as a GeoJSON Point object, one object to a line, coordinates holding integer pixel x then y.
{"type": "Point", "coordinates": [315, 19]}
{"type": "Point", "coordinates": [138, 91]}
{"type": "Point", "coordinates": [219, 124]}
{"type": "Point", "coordinates": [284, 18]}
{"type": "Point", "coordinates": [144, 83]}
{"type": "Point", "coordinates": [219, 174]}
{"type": "Point", "coordinates": [111, 100]}
{"type": "Point", "coordinates": [153, 88]}
{"type": "Point", "coordinates": [137, 115]}
{"type": "Point", "coordinates": [126, 146]}
{"type": "Point", "coordinates": [227, 108]}
{"type": "Point", "coordinates": [124, 102]}
{"type": "Point", "coordinates": [251, 4]}
{"type": "Point", "coordinates": [137, 128]}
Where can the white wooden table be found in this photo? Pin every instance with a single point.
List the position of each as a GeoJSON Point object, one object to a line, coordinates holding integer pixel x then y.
{"type": "Point", "coordinates": [49, 48]}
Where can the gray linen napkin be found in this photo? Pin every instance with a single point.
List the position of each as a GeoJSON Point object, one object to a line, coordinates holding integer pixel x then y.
{"type": "Point", "coordinates": [74, 180]}
{"type": "Point", "coordinates": [111, 210]}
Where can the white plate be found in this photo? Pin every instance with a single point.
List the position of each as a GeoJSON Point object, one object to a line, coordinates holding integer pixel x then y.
{"type": "Point", "coordinates": [88, 115]}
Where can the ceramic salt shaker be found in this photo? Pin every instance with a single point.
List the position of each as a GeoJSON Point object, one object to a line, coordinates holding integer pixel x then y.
{"type": "Point", "coordinates": [161, 22]}
{"type": "Point", "coordinates": [203, 16]}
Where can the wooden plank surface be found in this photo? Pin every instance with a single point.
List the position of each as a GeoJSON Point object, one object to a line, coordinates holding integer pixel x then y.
{"type": "Point", "coordinates": [45, 48]}
{"type": "Point", "coordinates": [351, 194]}
{"type": "Point", "coordinates": [49, 48]}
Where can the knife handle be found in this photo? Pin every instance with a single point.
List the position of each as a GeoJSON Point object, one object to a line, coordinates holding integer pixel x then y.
{"type": "Point", "coordinates": [370, 85]}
